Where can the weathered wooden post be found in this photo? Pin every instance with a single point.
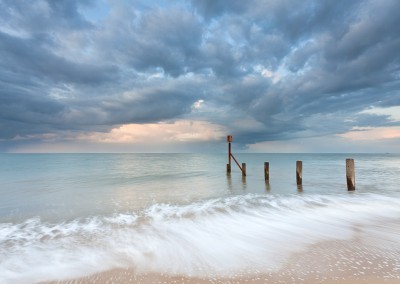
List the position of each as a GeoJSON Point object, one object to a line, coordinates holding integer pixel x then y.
{"type": "Point", "coordinates": [228, 166]}
{"type": "Point", "coordinates": [266, 171]}
{"type": "Point", "coordinates": [299, 172]}
{"type": "Point", "coordinates": [244, 169]}
{"type": "Point", "coordinates": [350, 175]}
{"type": "Point", "coordinates": [229, 138]}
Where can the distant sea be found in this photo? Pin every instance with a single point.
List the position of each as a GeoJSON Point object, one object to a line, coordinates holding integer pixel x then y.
{"type": "Point", "coordinates": [65, 216]}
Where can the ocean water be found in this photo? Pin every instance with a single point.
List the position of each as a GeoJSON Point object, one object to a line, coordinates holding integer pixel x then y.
{"type": "Point", "coordinates": [65, 216]}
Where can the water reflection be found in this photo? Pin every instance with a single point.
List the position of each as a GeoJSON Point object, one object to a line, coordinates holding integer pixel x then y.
{"type": "Point", "coordinates": [267, 186]}
{"type": "Point", "coordinates": [299, 188]}
{"type": "Point", "coordinates": [237, 184]}
{"type": "Point", "coordinates": [229, 181]}
{"type": "Point", "coordinates": [244, 183]}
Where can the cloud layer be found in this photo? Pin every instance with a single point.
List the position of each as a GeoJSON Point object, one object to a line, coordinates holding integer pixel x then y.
{"type": "Point", "coordinates": [263, 70]}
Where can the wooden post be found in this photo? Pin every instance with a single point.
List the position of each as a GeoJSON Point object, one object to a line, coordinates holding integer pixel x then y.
{"type": "Point", "coordinates": [237, 163]}
{"type": "Point", "coordinates": [266, 171]}
{"type": "Point", "coordinates": [229, 155]}
{"type": "Point", "coordinates": [350, 175]}
{"type": "Point", "coordinates": [229, 139]}
{"type": "Point", "coordinates": [299, 172]}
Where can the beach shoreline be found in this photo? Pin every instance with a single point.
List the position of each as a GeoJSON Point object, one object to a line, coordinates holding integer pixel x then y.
{"type": "Point", "coordinates": [190, 223]}
{"type": "Point", "coordinates": [346, 261]}
{"type": "Point", "coordinates": [128, 276]}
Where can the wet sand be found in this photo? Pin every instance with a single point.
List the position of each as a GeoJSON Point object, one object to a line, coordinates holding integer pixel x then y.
{"type": "Point", "coordinates": [354, 261]}
{"type": "Point", "coordinates": [125, 276]}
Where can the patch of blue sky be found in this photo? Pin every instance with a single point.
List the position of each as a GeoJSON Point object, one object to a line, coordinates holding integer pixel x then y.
{"type": "Point", "coordinates": [95, 12]}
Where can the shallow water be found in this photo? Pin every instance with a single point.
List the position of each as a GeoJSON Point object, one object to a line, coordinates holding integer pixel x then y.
{"type": "Point", "coordinates": [65, 216]}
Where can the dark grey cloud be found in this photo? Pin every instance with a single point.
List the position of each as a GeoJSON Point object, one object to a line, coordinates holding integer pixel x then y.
{"type": "Point", "coordinates": [44, 16]}
{"type": "Point", "coordinates": [152, 105]}
{"type": "Point", "coordinates": [21, 118]}
{"type": "Point", "coordinates": [27, 57]}
{"type": "Point", "coordinates": [286, 69]}
{"type": "Point", "coordinates": [160, 38]}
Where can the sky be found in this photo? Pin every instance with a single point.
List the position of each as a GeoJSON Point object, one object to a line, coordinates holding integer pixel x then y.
{"type": "Point", "coordinates": [178, 76]}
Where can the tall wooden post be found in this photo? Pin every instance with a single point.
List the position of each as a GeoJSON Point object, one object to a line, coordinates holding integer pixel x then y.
{"type": "Point", "coordinates": [228, 166]}
{"type": "Point", "coordinates": [266, 171]}
{"type": "Point", "coordinates": [299, 172]}
{"type": "Point", "coordinates": [229, 139]}
{"type": "Point", "coordinates": [350, 175]}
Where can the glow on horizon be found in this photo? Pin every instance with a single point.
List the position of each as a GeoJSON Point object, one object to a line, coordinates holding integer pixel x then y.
{"type": "Point", "coordinates": [177, 131]}
{"type": "Point", "coordinates": [373, 133]}
{"type": "Point", "coordinates": [393, 112]}
{"type": "Point", "coordinates": [151, 137]}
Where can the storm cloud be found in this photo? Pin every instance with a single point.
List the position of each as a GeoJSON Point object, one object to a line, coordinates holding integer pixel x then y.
{"type": "Point", "coordinates": [263, 70]}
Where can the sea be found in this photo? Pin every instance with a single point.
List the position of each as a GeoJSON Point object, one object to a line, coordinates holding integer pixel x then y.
{"type": "Point", "coordinates": [70, 216]}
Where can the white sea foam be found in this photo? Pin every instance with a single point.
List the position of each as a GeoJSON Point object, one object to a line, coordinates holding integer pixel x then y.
{"type": "Point", "coordinates": [217, 237]}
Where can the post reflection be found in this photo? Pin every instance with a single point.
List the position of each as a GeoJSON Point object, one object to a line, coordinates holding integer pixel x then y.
{"type": "Point", "coordinates": [299, 188]}
{"type": "Point", "coordinates": [229, 181]}
{"type": "Point", "coordinates": [244, 183]}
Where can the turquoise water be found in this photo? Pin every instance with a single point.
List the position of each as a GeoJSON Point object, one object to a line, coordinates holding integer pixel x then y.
{"type": "Point", "coordinates": [65, 186]}
{"type": "Point", "coordinates": [74, 214]}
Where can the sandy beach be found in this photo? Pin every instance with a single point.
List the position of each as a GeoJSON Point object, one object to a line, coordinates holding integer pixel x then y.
{"type": "Point", "coordinates": [126, 276]}
{"type": "Point", "coordinates": [353, 261]}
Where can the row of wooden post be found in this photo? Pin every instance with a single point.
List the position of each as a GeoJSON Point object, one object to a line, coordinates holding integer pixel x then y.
{"type": "Point", "coordinates": [243, 168]}
{"type": "Point", "coordinates": [350, 173]}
